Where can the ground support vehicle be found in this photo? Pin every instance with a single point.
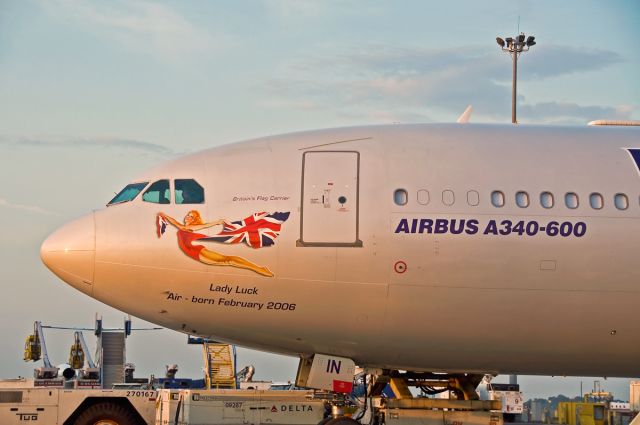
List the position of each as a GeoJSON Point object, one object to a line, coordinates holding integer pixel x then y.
{"type": "Point", "coordinates": [634, 396]}
{"type": "Point", "coordinates": [511, 398]}
{"type": "Point", "coordinates": [582, 413]}
{"type": "Point", "coordinates": [21, 402]}
{"type": "Point", "coordinates": [55, 406]}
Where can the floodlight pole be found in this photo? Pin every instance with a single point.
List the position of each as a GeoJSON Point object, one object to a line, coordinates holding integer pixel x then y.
{"type": "Point", "coordinates": [514, 85]}
{"type": "Point", "coordinates": [515, 46]}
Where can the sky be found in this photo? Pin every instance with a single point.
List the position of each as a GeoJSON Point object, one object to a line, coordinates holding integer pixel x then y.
{"type": "Point", "coordinates": [92, 93]}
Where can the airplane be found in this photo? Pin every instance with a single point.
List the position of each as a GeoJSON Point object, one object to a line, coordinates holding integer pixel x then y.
{"type": "Point", "coordinates": [451, 249]}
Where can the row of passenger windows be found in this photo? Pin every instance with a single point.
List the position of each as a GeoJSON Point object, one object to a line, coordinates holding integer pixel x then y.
{"type": "Point", "coordinates": [522, 199]}
{"type": "Point", "coordinates": [571, 200]}
{"type": "Point", "coordinates": [186, 191]}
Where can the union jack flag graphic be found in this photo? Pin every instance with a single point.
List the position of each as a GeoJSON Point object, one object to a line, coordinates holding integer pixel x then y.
{"type": "Point", "coordinates": [258, 230]}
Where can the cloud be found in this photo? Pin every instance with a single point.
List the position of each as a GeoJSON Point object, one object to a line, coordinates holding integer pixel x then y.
{"type": "Point", "coordinates": [139, 25]}
{"type": "Point", "coordinates": [86, 143]}
{"type": "Point", "coordinates": [548, 61]}
{"type": "Point", "coordinates": [554, 60]}
{"type": "Point", "coordinates": [29, 208]}
{"type": "Point", "coordinates": [566, 112]}
{"type": "Point", "coordinates": [436, 81]}
{"type": "Point", "coordinates": [295, 8]}
{"type": "Point", "coordinates": [298, 10]}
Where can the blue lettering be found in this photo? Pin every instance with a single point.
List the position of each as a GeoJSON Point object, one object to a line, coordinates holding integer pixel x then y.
{"type": "Point", "coordinates": [403, 226]}
{"type": "Point", "coordinates": [457, 226]}
{"type": "Point", "coordinates": [425, 224]}
{"type": "Point", "coordinates": [492, 228]}
{"type": "Point", "coordinates": [580, 229]}
{"type": "Point", "coordinates": [442, 226]}
{"type": "Point", "coordinates": [472, 227]}
{"type": "Point", "coordinates": [457, 230]}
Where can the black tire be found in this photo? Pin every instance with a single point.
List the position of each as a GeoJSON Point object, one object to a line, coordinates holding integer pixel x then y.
{"type": "Point", "coordinates": [107, 413]}
{"type": "Point", "coordinates": [342, 420]}
{"type": "Point", "coordinates": [509, 417]}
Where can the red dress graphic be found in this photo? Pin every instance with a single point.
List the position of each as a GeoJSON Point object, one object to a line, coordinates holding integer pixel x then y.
{"type": "Point", "coordinates": [185, 240]}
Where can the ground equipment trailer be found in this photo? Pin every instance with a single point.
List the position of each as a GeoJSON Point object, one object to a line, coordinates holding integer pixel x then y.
{"type": "Point", "coordinates": [225, 407]}
{"type": "Point", "coordinates": [55, 406]}
{"type": "Point", "coordinates": [239, 407]}
{"type": "Point", "coordinates": [429, 411]}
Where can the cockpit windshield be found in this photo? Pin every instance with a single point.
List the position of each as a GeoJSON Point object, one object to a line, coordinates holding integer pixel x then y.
{"type": "Point", "coordinates": [189, 191]}
{"type": "Point", "coordinates": [128, 193]}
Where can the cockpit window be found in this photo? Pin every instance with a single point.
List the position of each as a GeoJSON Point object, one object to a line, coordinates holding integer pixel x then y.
{"type": "Point", "coordinates": [188, 191]}
{"type": "Point", "coordinates": [158, 192]}
{"type": "Point", "coordinates": [128, 193]}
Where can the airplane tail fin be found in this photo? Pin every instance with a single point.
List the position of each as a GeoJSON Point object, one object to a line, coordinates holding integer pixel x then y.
{"type": "Point", "coordinates": [464, 118]}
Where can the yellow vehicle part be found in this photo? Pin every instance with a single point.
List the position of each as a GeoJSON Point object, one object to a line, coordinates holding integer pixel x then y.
{"type": "Point", "coordinates": [76, 356]}
{"type": "Point", "coordinates": [32, 349]}
{"type": "Point", "coordinates": [573, 413]}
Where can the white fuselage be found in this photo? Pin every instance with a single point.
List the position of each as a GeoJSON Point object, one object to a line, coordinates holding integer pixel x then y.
{"type": "Point", "coordinates": [393, 253]}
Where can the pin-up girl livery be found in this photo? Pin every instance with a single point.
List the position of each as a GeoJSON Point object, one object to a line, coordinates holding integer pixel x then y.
{"type": "Point", "coordinates": [186, 236]}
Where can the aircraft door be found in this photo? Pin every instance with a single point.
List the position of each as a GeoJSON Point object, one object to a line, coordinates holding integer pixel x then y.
{"type": "Point", "coordinates": [329, 209]}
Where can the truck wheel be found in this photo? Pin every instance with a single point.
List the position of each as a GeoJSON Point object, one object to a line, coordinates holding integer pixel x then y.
{"type": "Point", "coordinates": [342, 420]}
{"type": "Point", "coordinates": [106, 413]}
{"type": "Point", "coordinates": [510, 417]}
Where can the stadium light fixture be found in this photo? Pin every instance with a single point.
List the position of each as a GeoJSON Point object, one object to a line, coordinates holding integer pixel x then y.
{"type": "Point", "coordinates": [515, 46]}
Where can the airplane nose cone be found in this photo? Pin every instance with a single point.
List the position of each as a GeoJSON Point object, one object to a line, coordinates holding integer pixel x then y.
{"type": "Point", "coordinates": [69, 252]}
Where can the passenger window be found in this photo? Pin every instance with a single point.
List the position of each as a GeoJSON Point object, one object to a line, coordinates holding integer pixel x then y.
{"type": "Point", "coordinates": [596, 201]}
{"type": "Point", "coordinates": [571, 200]}
{"type": "Point", "coordinates": [546, 199]}
{"type": "Point", "coordinates": [473, 198]}
{"type": "Point", "coordinates": [158, 193]}
{"type": "Point", "coordinates": [497, 198]}
{"type": "Point", "coordinates": [128, 193]}
{"type": "Point", "coordinates": [423, 197]}
{"type": "Point", "coordinates": [400, 197]}
{"type": "Point", "coordinates": [621, 201]}
{"type": "Point", "coordinates": [448, 197]}
{"type": "Point", "coordinates": [188, 191]}
{"type": "Point", "coordinates": [522, 199]}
